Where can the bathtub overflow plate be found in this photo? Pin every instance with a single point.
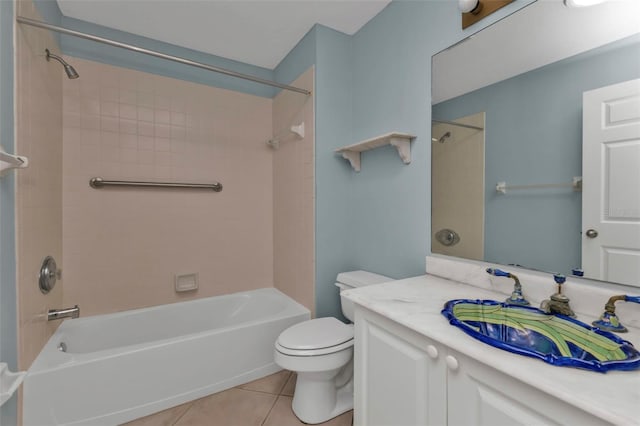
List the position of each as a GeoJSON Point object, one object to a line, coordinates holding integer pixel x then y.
{"type": "Point", "coordinates": [49, 273]}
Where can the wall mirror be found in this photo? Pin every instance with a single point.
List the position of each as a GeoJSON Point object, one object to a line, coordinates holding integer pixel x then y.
{"type": "Point", "coordinates": [508, 180]}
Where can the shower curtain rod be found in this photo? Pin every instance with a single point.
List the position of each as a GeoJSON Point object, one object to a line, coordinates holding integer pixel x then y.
{"type": "Point", "coordinates": [453, 123]}
{"type": "Point", "coordinates": [144, 51]}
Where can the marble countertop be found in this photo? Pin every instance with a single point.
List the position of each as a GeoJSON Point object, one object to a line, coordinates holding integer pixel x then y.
{"type": "Point", "coordinates": [416, 304]}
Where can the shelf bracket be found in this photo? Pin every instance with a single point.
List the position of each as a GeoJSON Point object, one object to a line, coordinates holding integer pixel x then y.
{"type": "Point", "coordinates": [403, 145]}
{"type": "Point", "coordinates": [401, 142]}
{"type": "Point", "coordinates": [353, 157]}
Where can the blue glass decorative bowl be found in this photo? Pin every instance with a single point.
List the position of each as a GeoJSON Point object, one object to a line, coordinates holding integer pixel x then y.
{"type": "Point", "coordinates": [555, 339]}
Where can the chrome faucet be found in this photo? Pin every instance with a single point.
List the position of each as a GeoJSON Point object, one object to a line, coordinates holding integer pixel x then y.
{"type": "Point", "coordinates": [56, 314]}
{"type": "Point", "coordinates": [559, 303]}
{"type": "Point", "coordinates": [609, 320]}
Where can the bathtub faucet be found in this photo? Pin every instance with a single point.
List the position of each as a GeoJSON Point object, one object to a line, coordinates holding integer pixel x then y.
{"type": "Point", "coordinates": [55, 314]}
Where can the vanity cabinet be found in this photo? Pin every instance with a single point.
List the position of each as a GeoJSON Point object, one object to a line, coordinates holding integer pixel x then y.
{"type": "Point", "coordinates": [404, 378]}
{"type": "Point", "coordinates": [400, 377]}
{"type": "Point", "coordinates": [480, 395]}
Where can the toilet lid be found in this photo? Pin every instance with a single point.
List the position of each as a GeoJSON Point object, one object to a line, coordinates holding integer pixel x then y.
{"type": "Point", "coordinates": [316, 334]}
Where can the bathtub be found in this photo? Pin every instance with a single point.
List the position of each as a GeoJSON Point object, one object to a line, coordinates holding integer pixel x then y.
{"type": "Point", "coordinates": [118, 367]}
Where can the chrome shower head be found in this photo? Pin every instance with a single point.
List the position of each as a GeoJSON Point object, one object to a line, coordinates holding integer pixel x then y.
{"type": "Point", "coordinates": [442, 138]}
{"type": "Point", "coordinates": [68, 69]}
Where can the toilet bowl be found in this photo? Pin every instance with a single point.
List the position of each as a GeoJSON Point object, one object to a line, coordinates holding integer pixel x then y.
{"type": "Point", "coordinates": [321, 352]}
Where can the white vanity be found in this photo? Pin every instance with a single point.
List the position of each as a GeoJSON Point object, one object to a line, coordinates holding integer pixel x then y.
{"type": "Point", "coordinates": [413, 368]}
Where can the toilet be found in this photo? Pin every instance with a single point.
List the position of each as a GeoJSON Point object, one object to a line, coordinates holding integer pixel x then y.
{"type": "Point", "coordinates": [321, 352]}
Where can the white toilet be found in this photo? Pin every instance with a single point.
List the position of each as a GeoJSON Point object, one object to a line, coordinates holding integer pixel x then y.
{"type": "Point", "coordinates": [321, 352]}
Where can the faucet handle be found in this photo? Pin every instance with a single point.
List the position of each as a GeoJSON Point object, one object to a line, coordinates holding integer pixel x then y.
{"type": "Point", "coordinates": [609, 320]}
{"type": "Point", "coordinates": [560, 280]}
{"type": "Point", "coordinates": [516, 298]}
{"type": "Point", "coordinates": [498, 272]}
{"type": "Point", "coordinates": [634, 299]}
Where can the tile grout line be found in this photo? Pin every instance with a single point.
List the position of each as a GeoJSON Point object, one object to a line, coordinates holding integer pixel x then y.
{"type": "Point", "coordinates": [277, 395]}
{"type": "Point", "coordinates": [285, 383]}
{"type": "Point", "coordinates": [183, 414]}
{"type": "Point", "coordinates": [270, 409]}
{"type": "Point", "coordinates": [275, 401]}
{"type": "Point", "coordinates": [258, 391]}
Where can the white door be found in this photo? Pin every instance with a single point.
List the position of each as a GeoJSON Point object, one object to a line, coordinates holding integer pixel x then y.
{"type": "Point", "coordinates": [611, 183]}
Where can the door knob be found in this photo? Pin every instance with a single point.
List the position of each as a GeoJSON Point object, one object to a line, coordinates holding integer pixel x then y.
{"type": "Point", "coordinates": [591, 233]}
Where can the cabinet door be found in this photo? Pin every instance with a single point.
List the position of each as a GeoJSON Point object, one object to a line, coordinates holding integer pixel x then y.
{"type": "Point", "coordinates": [480, 395]}
{"type": "Point", "coordinates": [396, 382]}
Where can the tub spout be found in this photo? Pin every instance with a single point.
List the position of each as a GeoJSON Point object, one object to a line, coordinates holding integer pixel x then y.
{"type": "Point", "coordinates": [55, 314]}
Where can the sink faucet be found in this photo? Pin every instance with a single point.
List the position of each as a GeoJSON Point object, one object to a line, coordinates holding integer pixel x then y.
{"type": "Point", "coordinates": [55, 314]}
{"type": "Point", "coordinates": [609, 320]}
{"type": "Point", "coordinates": [516, 298]}
{"type": "Point", "coordinates": [559, 303]}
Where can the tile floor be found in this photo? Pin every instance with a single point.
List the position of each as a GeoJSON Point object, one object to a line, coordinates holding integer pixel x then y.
{"type": "Point", "coordinates": [263, 402]}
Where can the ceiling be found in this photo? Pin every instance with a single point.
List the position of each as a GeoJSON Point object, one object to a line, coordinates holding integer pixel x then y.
{"type": "Point", "coordinates": [256, 32]}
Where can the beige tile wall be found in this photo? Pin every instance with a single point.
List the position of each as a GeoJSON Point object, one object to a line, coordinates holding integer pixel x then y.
{"type": "Point", "coordinates": [39, 187]}
{"type": "Point", "coordinates": [123, 246]}
{"type": "Point", "coordinates": [458, 198]}
{"type": "Point", "coordinates": [294, 195]}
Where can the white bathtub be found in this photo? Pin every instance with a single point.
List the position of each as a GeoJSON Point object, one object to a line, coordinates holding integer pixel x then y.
{"type": "Point", "coordinates": [122, 366]}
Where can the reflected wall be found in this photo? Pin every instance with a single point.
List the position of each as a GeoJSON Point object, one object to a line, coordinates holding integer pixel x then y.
{"type": "Point", "coordinates": [534, 136]}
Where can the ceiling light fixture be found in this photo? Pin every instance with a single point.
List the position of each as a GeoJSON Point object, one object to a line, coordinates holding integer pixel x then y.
{"type": "Point", "coordinates": [582, 3]}
{"type": "Point", "coordinates": [470, 6]}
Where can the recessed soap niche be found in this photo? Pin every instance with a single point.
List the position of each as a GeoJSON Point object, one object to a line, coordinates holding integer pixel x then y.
{"type": "Point", "coordinates": [186, 282]}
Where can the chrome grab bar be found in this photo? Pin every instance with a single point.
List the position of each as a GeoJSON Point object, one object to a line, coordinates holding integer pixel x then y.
{"type": "Point", "coordinates": [98, 182]}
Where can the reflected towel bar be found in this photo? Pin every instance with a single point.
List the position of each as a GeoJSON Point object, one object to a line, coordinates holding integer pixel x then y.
{"type": "Point", "coordinates": [576, 184]}
{"type": "Point", "coordinates": [97, 182]}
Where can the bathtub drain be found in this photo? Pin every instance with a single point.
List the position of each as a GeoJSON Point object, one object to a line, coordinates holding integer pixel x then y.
{"type": "Point", "coordinates": [62, 347]}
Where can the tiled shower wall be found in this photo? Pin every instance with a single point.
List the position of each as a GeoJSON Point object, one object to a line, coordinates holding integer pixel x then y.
{"type": "Point", "coordinates": [123, 246]}
{"type": "Point", "coordinates": [39, 186]}
{"type": "Point", "coordinates": [294, 194]}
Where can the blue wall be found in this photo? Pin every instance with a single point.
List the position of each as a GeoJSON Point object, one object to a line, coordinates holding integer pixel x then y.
{"type": "Point", "coordinates": [375, 82]}
{"type": "Point", "coordinates": [533, 134]}
{"type": "Point", "coordinates": [8, 318]}
{"type": "Point", "coordinates": [299, 59]}
{"type": "Point", "coordinates": [389, 202]}
{"type": "Point", "coordinates": [334, 120]}
{"type": "Point", "coordinates": [331, 53]}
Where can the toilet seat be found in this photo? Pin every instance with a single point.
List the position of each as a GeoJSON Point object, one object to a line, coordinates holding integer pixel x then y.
{"type": "Point", "coordinates": [315, 337]}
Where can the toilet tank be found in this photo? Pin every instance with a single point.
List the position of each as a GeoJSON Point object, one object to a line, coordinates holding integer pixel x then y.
{"type": "Point", "coordinates": [355, 279]}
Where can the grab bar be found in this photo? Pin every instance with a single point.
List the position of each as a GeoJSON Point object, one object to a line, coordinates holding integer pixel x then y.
{"type": "Point", "coordinates": [98, 182]}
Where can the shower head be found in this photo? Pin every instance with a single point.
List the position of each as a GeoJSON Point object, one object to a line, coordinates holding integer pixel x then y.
{"type": "Point", "coordinates": [68, 69]}
{"type": "Point", "coordinates": [442, 138]}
